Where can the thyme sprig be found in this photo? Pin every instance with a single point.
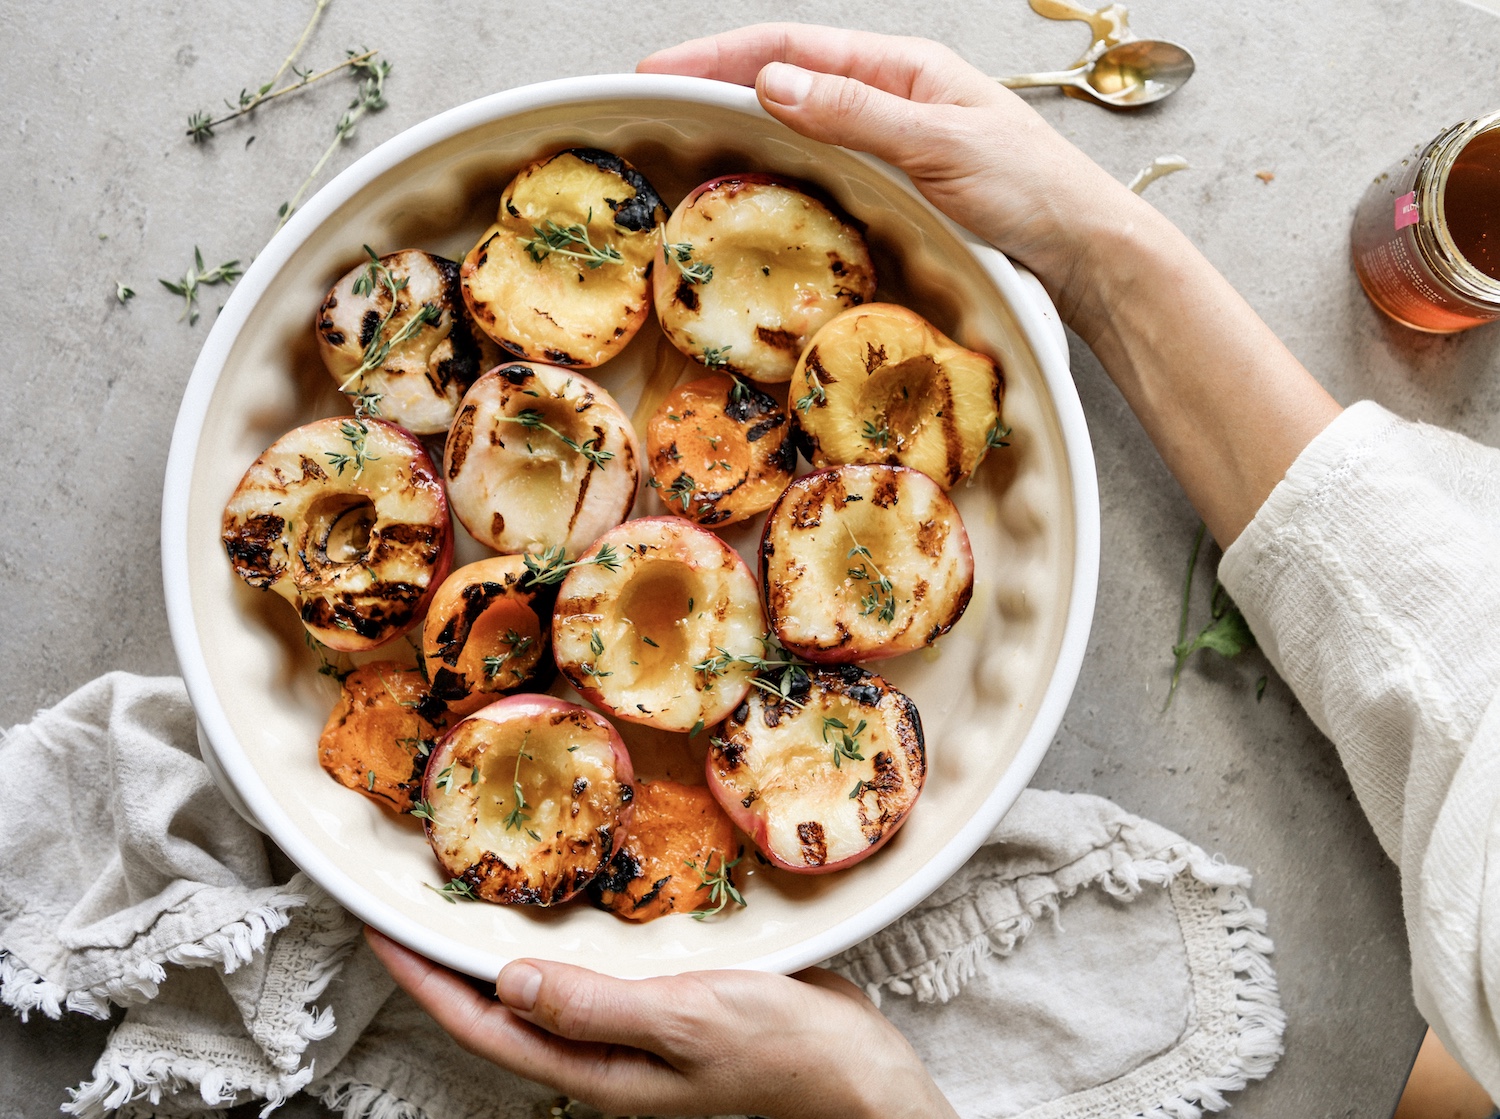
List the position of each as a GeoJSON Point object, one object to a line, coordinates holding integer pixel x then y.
{"type": "Point", "coordinates": [880, 435]}
{"type": "Point", "coordinates": [880, 592]}
{"type": "Point", "coordinates": [719, 884]}
{"type": "Point", "coordinates": [123, 293]}
{"type": "Point", "coordinates": [681, 490]}
{"type": "Point", "coordinates": [596, 646]}
{"type": "Point", "coordinates": [778, 677]}
{"type": "Point", "coordinates": [846, 743]}
{"type": "Point", "coordinates": [814, 393]}
{"type": "Point", "coordinates": [355, 432]}
{"type": "Point", "coordinates": [549, 568]}
{"type": "Point", "coordinates": [591, 449]}
{"type": "Point", "coordinates": [518, 645]}
{"type": "Point", "coordinates": [201, 125]}
{"type": "Point", "coordinates": [517, 818]}
{"type": "Point", "coordinates": [713, 356]}
{"type": "Point", "coordinates": [680, 253]}
{"type": "Point", "coordinates": [376, 275]}
{"type": "Point", "coordinates": [549, 238]}
{"type": "Point", "coordinates": [198, 275]}
{"type": "Point", "coordinates": [1226, 633]}
{"type": "Point", "coordinates": [369, 98]}
{"type": "Point", "coordinates": [454, 889]}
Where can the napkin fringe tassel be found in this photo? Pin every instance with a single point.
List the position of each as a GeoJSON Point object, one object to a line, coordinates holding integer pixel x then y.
{"type": "Point", "coordinates": [134, 1087]}
{"type": "Point", "coordinates": [366, 1101]}
{"type": "Point", "coordinates": [25, 990]}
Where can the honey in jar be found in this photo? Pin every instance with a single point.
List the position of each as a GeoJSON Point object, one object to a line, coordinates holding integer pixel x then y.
{"type": "Point", "coordinates": [1426, 237]}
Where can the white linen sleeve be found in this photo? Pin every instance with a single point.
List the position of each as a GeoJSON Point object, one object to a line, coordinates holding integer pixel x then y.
{"type": "Point", "coordinates": [1371, 577]}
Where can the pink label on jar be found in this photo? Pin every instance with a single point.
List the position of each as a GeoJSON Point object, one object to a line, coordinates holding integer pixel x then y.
{"type": "Point", "coordinates": [1406, 210]}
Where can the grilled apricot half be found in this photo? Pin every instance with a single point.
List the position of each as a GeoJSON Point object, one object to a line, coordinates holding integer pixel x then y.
{"type": "Point", "coordinates": [344, 518]}
{"type": "Point", "coordinates": [482, 636]}
{"type": "Point", "coordinates": [564, 274]}
{"type": "Point", "coordinates": [395, 333]}
{"type": "Point", "coordinates": [864, 562]}
{"type": "Point", "coordinates": [880, 383]}
{"type": "Point", "coordinates": [377, 739]}
{"type": "Point", "coordinates": [750, 267]}
{"type": "Point", "coordinates": [678, 856]}
{"type": "Point", "coordinates": [719, 451]}
{"type": "Point", "coordinates": [526, 800]}
{"type": "Point", "coordinates": [824, 778]}
{"type": "Point", "coordinates": [629, 634]}
{"type": "Point", "coordinates": [539, 458]}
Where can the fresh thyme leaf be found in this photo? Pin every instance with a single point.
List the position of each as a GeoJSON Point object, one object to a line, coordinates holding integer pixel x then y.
{"type": "Point", "coordinates": [370, 780]}
{"type": "Point", "coordinates": [369, 98]}
{"type": "Point", "coordinates": [422, 810]}
{"type": "Point", "coordinates": [445, 778]}
{"type": "Point", "coordinates": [719, 884]}
{"type": "Point", "coordinates": [596, 646]}
{"type": "Point", "coordinates": [879, 435]}
{"type": "Point", "coordinates": [516, 818]}
{"type": "Point", "coordinates": [859, 787]}
{"type": "Point", "coordinates": [591, 449]}
{"type": "Point", "coordinates": [196, 277]}
{"type": "Point", "coordinates": [551, 566]}
{"type": "Point", "coordinates": [680, 253]}
{"type": "Point", "coordinates": [549, 238]}
{"type": "Point", "coordinates": [201, 125]}
{"type": "Point", "coordinates": [123, 293]}
{"type": "Point", "coordinates": [325, 666]}
{"type": "Point", "coordinates": [355, 432]}
{"type": "Point", "coordinates": [880, 593]}
{"type": "Point", "coordinates": [517, 646]}
{"type": "Point", "coordinates": [846, 743]}
{"type": "Point", "coordinates": [648, 641]}
{"type": "Point", "coordinates": [697, 729]}
{"type": "Point", "coordinates": [366, 403]}
{"type": "Point", "coordinates": [740, 391]}
{"type": "Point", "coordinates": [681, 490]}
{"type": "Point", "coordinates": [1227, 633]}
{"type": "Point", "coordinates": [376, 276]}
{"type": "Point", "coordinates": [996, 437]}
{"type": "Point", "coordinates": [713, 356]}
{"type": "Point", "coordinates": [453, 890]}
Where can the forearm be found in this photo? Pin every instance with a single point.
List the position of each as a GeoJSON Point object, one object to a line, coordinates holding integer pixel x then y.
{"type": "Point", "coordinates": [1227, 405]}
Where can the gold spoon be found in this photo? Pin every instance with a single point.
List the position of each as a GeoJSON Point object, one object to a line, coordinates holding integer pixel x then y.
{"type": "Point", "coordinates": [1126, 76]}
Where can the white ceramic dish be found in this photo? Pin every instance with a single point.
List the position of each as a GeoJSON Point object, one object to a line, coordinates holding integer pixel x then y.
{"type": "Point", "coordinates": [992, 693]}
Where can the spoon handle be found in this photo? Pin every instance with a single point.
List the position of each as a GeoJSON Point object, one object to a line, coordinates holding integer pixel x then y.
{"type": "Point", "coordinates": [1045, 78]}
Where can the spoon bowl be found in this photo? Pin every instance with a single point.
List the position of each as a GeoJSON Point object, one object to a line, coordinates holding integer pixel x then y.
{"type": "Point", "coordinates": [1125, 76]}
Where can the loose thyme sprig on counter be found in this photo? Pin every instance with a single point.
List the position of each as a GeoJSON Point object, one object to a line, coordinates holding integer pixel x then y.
{"type": "Point", "coordinates": [553, 238]}
{"type": "Point", "coordinates": [591, 449]}
{"type": "Point", "coordinates": [369, 98]}
{"type": "Point", "coordinates": [197, 276]}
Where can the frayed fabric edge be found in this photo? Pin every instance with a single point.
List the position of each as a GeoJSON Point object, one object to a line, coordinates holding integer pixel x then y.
{"type": "Point", "coordinates": [366, 1101]}
{"type": "Point", "coordinates": [25, 990]}
{"type": "Point", "coordinates": [153, 1077]}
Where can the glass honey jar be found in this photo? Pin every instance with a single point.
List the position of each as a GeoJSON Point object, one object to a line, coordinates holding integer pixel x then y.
{"type": "Point", "coordinates": [1426, 236]}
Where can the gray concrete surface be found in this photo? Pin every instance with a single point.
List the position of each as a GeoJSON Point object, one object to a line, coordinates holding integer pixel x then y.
{"type": "Point", "coordinates": [100, 185]}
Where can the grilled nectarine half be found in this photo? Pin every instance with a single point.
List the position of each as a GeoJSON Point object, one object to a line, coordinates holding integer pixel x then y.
{"type": "Point", "coordinates": [483, 636]}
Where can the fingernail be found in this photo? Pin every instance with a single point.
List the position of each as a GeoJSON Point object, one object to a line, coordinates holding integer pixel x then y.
{"type": "Point", "coordinates": [518, 986]}
{"type": "Point", "coordinates": [786, 85]}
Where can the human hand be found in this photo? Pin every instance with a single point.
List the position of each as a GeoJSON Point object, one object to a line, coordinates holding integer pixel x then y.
{"type": "Point", "coordinates": [973, 148]}
{"type": "Point", "coordinates": [705, 1043]}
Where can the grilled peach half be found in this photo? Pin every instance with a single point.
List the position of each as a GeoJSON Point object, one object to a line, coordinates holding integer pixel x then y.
{"type": "Point", "coordinates": [540, 457]}
{"type": "Point", "coordinates": [629, 634]}
{"type": "Point", "coordinates": [750, 267]}
{"type": "Point", "coordinates": [822, 779]}
{"type": "Point", "coordinates": [719, 451]}
{"type": "Point", "coordinates": [678, 856]}
{"type": "Point", "coordinates": [344, 518]}
{"type": "Point", "coordinates": [564, 274]}
{"type": "Point", "coordinates": [864, 562]}
{"type": "Point", "coordinates": [395, 334]}
{"type": "Point", "coordinates": [880, 383]}
{"type": "Point", "coordinates": [526, 800]}
{"type": "Point", "coordinates": [483, 635]}
{"type": "Point", "coordinates": [377, 739]}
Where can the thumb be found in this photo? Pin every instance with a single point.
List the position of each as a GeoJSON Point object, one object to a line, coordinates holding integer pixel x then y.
{"type": "Point", "coordinates": [582, 1005]}
{"type": "Point", "coordinates": [847, 112]}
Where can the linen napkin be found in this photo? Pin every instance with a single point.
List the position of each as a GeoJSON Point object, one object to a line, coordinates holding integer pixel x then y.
{"type": "Point", "coordinates": [1085, 963]}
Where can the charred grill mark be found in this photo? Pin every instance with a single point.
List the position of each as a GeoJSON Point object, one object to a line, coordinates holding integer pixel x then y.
{"type": "Point", "coordinates": [250, 549]}
{"type": "Point", "coordinates": [459, 440]}
{"type": "Point", "coordinates": [874, 357]}
{"type": "Point", "coordinates": [584, 482]}
{"type": "Point", "coordinates": [778, 339]}
{"type": "Point", "coordinates": [515, 375]}
{"type": "Point", "coordinates": [815, 367]}
{"type": "Point", "coordinates": [580, 786]}
{"type": "Point", "coordinates": [497, 526]}
{"type": "Point", "coordinates": [887, 489]}
{"type": "Point", "coordinates": [369, 323]}
{"type": "Point", "coordinates": [919, 591]}
{"type": "Point", "coordinates": [931, 536]}
{"type": "Point", "coordinates": [730, 753]}
{"type": "Point", "coordinates": [686, 294]}
{"type": "Point", "coordinates": [740, 714]}
{"type": "Point", "coordinates": [639, 213]}
{"type": "Point", "coordinates": [433, 710]}
{"type": "Point", "coordinates": [561, 357]}
{"type": "Point", "coordinates": [449, 686]}
{"type": "Point", "coordinates": [462, 368]}
{"type": "Point", "coordinates": [476, 599]}
{"type": "Point", "coordinates": [836, 264]}
{"type": "Point", "coordinates": [760, 430]}
{"type": "Point", "coordinates": [814, 845]}
{"type": "Point", "coordinates": [784, 459]}
{"type": "Point", "coordinates": [952, 442]}
{"type": "Point", "coordinates": [650, 895]}
{"type": "Point", "coordinates": [749, 798]}
{"type": "Point", "coordinates": [752, 403]}
{"type": "Point", "coordinates": [617, 874]}
{"type": "Point", "coordinates": [407, 535]}
{"type": "Point", "coordinates": [311, 469]}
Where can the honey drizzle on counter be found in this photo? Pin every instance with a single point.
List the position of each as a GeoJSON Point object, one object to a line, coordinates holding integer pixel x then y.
{"type": "Point", "coordinates": [1110, 26]}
